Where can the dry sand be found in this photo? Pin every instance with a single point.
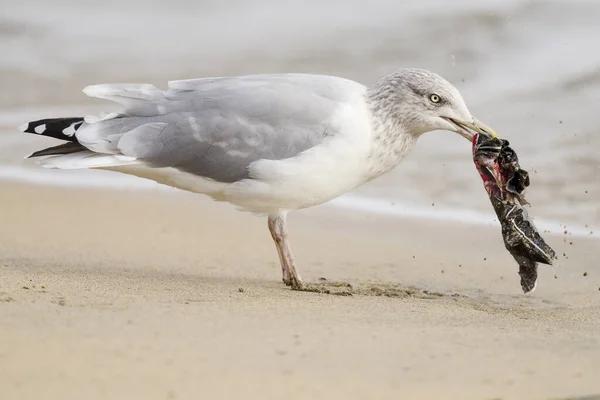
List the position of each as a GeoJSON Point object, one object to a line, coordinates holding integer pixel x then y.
{"type": "Point", "coordinates": [123, 295]}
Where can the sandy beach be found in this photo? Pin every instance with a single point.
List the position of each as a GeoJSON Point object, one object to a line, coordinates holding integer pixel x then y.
{"type": "Point", "coordinates": [159, 295]}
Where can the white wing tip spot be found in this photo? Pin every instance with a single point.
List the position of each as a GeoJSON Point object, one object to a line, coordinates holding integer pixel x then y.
{"type": "Point", "coordinates": [40, 129]}
{"type": "Point", "coordinates": [23, 127]}
{"type": "Point", "coordinates": [69, 130]}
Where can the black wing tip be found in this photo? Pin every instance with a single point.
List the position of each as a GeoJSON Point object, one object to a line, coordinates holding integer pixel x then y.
{"type": "Point", "coordinates": [65, 148]}
{"type": "Point", "coordinates": [59, 128]}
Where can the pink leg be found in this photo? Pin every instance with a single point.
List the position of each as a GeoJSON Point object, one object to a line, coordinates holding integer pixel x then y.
{"type": "Point", "coordinates": [285, 272]}
{"type": "Point", "coordinates": [277, 226]}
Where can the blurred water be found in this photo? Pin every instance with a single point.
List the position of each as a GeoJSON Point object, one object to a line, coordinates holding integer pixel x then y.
{"type": "Point", "coordinates": [530, 69]}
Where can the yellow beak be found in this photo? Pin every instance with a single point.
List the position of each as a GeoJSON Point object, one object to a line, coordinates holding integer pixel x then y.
{"type": "Point", "coordinates": [478, 127]}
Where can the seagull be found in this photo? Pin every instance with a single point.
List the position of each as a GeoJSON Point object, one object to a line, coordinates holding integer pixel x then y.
{"type": "Point", "coordinates": [268, 144]}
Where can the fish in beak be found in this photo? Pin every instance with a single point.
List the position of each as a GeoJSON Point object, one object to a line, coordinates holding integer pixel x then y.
{"type": "Point", "coordinates": [505, 183]}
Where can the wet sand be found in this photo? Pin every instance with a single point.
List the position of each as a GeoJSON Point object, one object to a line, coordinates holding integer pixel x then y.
{"type": "Point", "coordinates": [108, 294]}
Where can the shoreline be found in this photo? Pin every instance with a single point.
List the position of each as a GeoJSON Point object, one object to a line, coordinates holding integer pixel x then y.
{"type": "Point", "coordinates": [355, 203]}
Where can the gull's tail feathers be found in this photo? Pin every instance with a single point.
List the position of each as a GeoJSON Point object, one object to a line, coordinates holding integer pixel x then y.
{"type": "Point", "coordinates": [72, 154]}
{"type": "Point", "coordinates": [87, 159]}
{"type": "Point", "coordinates": [93, 142]}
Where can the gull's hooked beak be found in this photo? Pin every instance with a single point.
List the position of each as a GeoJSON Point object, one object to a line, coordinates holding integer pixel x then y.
{"type": "Point", "coordinates": [476, 126]}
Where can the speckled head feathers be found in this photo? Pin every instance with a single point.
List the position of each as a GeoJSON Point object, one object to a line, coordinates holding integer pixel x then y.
{"type": "Point", "coordinates": [417, 101]}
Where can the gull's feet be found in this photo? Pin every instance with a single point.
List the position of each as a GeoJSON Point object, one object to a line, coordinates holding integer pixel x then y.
{"type": "Point", "coordinates": [296, 283]}
{"type": "Point", "coordinates": [370, 289]}
{"type": "Point", "coordinates": [326, 287]}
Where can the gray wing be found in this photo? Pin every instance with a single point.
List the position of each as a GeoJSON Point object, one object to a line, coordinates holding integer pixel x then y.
{"type": "Point", "coordinates": [216, 127]}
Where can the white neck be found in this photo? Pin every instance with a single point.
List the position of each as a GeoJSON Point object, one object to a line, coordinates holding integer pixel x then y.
{"type": "Point", "coordinates": [391, 140]}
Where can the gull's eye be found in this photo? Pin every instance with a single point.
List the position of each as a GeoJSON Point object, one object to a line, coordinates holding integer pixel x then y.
{"type": "Point", "coordinates": [434, 98]}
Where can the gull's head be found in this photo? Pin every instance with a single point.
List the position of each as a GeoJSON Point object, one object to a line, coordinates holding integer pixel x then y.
{"type": "Point", "coordinates": [424, 101]}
